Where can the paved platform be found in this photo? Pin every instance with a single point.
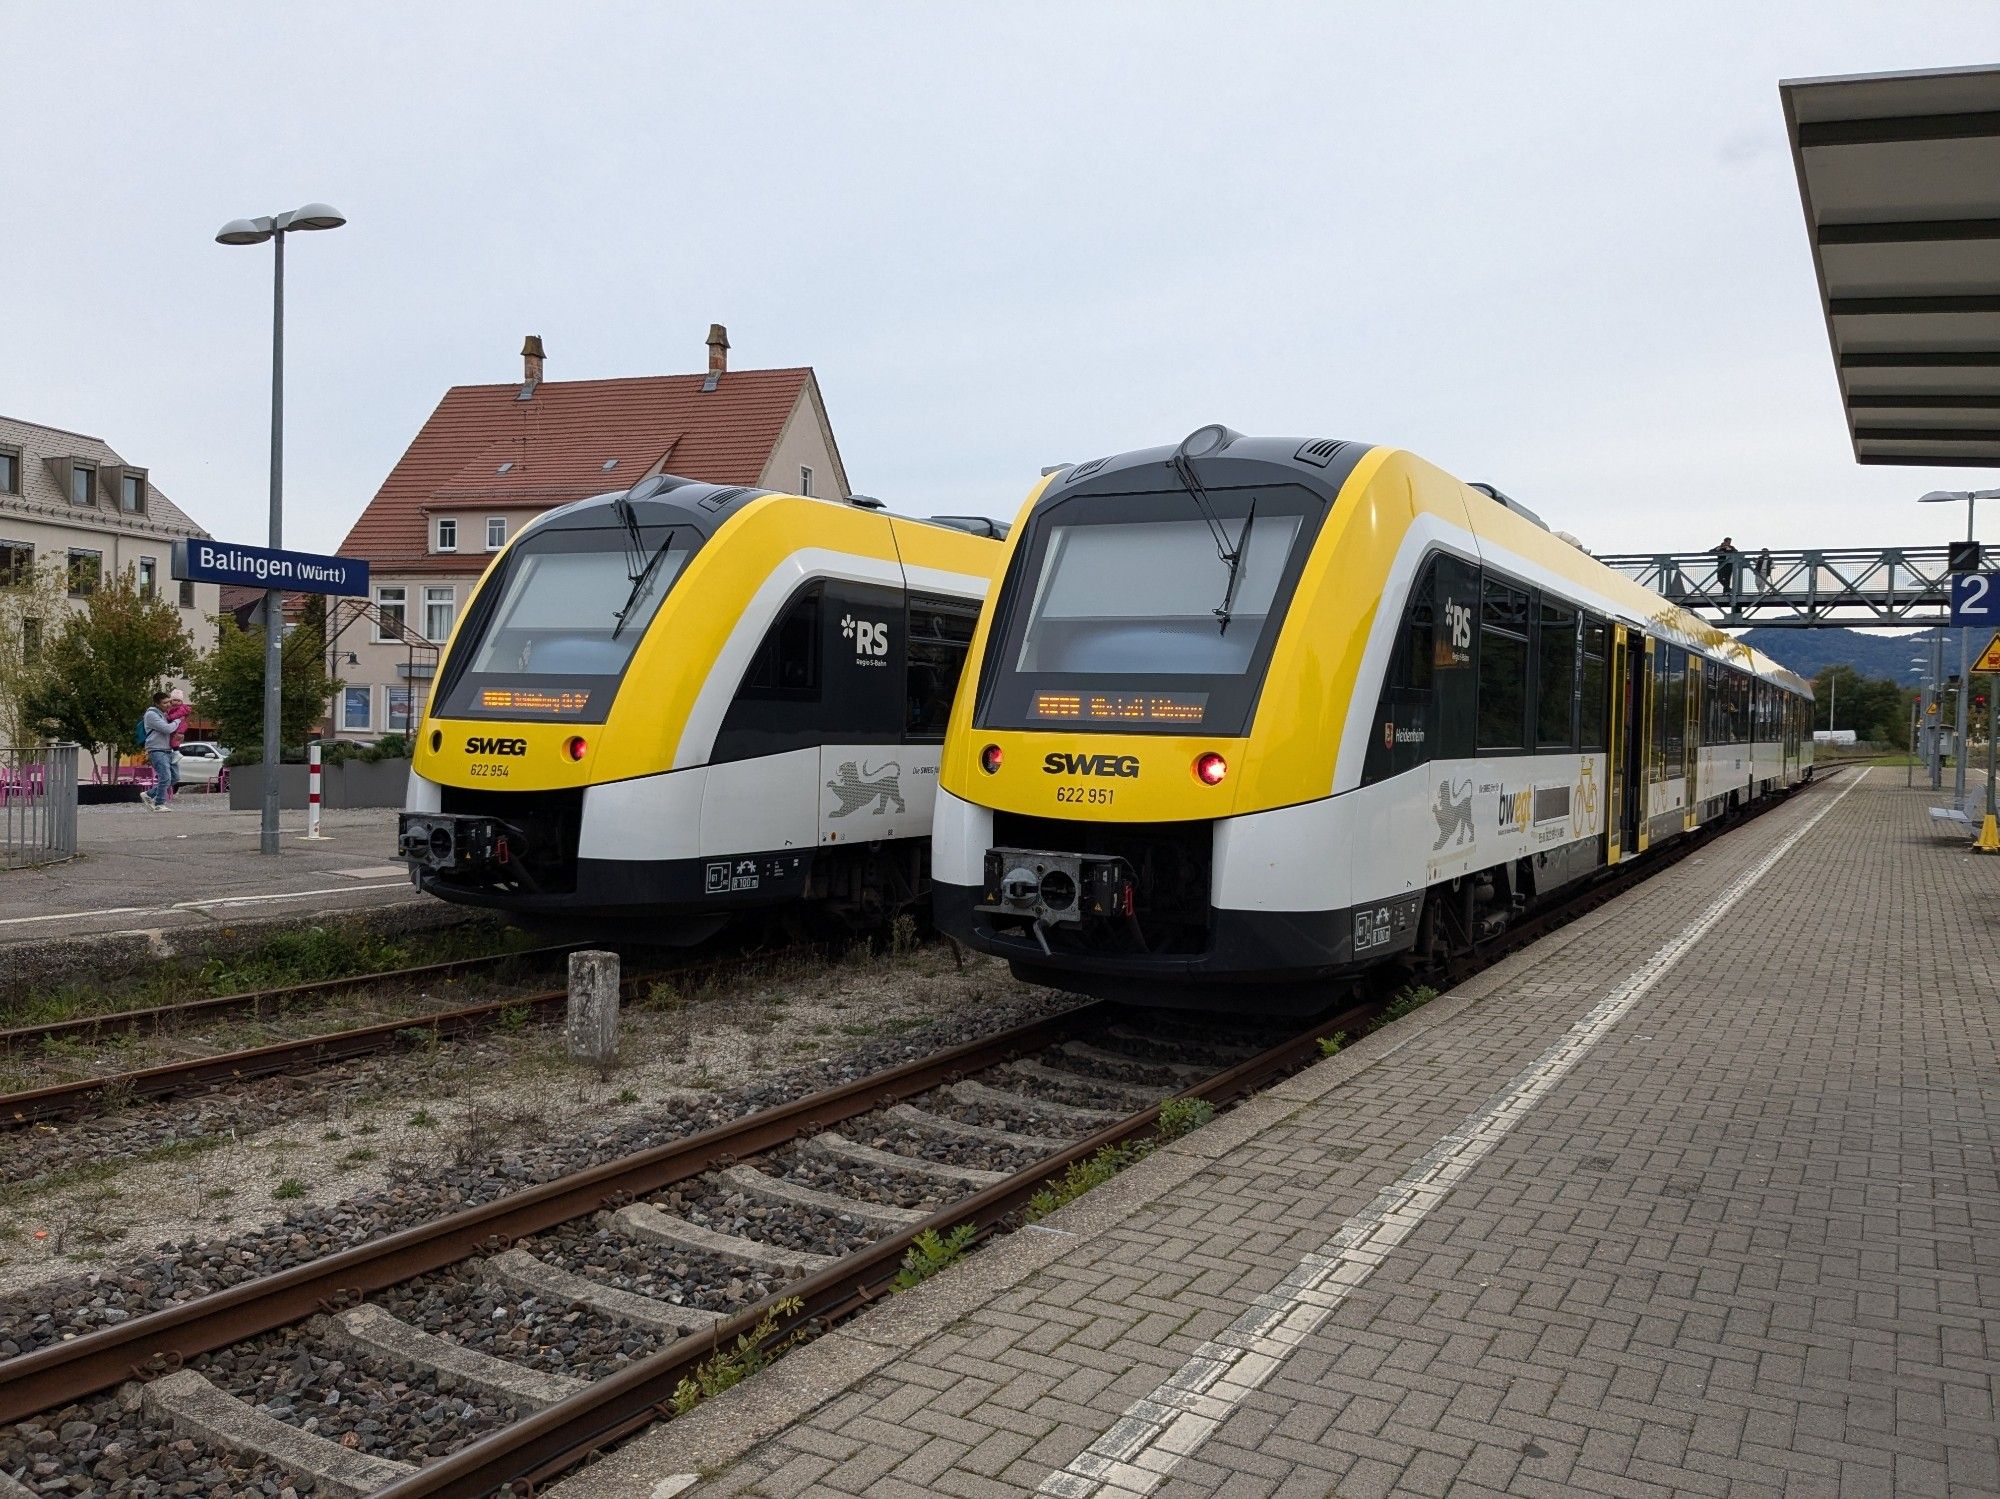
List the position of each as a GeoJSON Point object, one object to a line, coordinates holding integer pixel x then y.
{"type": "Point", "coordinates": [197, 864]}
{"type": "Point", "coordinates": [1697, 1196]}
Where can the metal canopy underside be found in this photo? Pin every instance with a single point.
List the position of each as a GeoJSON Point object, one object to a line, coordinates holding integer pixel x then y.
{"type": "Point", "coordinates": [1900, 177]}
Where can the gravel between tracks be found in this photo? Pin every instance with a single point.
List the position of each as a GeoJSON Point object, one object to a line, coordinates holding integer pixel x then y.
{"type": "Point", "coordinates": [486, 1132]}
{"type": "Point", "coordinates": [287, 1376]}
{"type": "Point", "coordinates": [98, 1450]}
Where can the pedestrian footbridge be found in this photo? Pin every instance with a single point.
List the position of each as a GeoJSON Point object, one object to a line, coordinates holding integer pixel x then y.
{"type": "Point", "coordinates": [1863, 586]}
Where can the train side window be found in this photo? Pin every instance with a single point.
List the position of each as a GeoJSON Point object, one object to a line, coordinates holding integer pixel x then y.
{"type": "Point", "coordinates": [1555, 676]}
{"type": "Point", "coordinates": [1670, 730]}
{"type": "Point", "coordinates": [1503, 668]}
{"type": "Point", "coordinates": [939, 636]}
{"type": "Point", "coordinates": [786, 666]}
{"type": "Point", "coordinates": [1591, 698]}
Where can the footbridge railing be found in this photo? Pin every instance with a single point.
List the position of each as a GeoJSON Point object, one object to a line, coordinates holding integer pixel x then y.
{"type": "Point", "coordinates": [1866, 586]}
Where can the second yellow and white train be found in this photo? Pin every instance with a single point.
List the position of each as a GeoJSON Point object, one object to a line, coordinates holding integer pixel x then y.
{"type": "Point", "coordinates": [1245, 711]}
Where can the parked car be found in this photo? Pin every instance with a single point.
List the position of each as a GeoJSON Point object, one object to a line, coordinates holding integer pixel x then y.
{"type": "Point", "coordinates": [201, 763]}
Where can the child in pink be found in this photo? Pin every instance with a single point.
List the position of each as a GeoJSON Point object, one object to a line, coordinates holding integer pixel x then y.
{"type": "Point", "coordinates": [178, 712]}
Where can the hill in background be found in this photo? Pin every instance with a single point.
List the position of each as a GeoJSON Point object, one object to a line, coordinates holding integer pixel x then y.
{"type": "Point", "coordinates": [1808, 652]}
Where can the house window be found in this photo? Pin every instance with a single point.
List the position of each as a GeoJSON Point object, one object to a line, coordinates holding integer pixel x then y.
{"type": "Point", "coordinates": [391, 605]}
{"type": "Point", "coordinates": [447, 536]}
{"type": "Point", "coordinates": [149, 578]}
{"type": "Point", "coordinates": [132, 494]}
{"type": "Point", "coordinates": [85, 570]}
{"type": "Point", "coordinates": [440, 606]}
{"type": "Point", "coordinates": [10, 470]}
{"type": "Point", "coordinates": [397, 720]}
{"type": "Point", "coordinates": [357, 707]}
{"type": "Point", "coordinates": [805, 480]}
{"type": "Point", "coordinates": [187, 593]}
{"type": "Point", "coordinates": [81, 478]}
{"type": "Point", "coordinates": [496, 532]}
{"type": "Point", "coordinates": [17, 563]}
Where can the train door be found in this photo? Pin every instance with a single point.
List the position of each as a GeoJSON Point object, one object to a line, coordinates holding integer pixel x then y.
{"type": "Point", "coordinates": [1643, 671]}
{"type": "Point", "coordinates": [1624, 826]}
{"type": "Point", "coordinates": [1691, 743]}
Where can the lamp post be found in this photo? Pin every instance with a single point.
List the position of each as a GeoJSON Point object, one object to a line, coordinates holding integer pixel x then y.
{"type": "Point", "coordinates": [255, 232]}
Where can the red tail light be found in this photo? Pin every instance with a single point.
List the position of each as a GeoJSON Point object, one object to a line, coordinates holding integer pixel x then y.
{"type": "Point", "coordinates": [990, 758]}
{"type": "Point", "coordinates": [1210, 768]}
{"type": "Point", "coordinates": [576, 747]}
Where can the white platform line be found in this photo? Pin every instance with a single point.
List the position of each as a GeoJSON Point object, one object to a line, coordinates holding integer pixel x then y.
{"type": "Point", "coordinates": [1156, 1433]}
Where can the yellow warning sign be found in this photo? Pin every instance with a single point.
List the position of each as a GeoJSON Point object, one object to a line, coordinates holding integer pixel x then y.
{"type": "Point", "coordinates": [1989, 659]}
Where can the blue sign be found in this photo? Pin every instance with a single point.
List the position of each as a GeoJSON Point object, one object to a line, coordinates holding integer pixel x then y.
{"type": "Point", "coordinates": [261, 567]}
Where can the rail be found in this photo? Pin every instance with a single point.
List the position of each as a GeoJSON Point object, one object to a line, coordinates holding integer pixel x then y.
{"type": "Point", "coordinates": [37, 805]}
{"type": "Point", "coordinates": [1800, 590]}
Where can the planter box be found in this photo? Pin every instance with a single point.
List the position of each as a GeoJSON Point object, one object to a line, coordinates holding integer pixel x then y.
{"type": "Point", "coordinates": [354, 784]}
{"type": "Point", "coordinates": [90, 794]}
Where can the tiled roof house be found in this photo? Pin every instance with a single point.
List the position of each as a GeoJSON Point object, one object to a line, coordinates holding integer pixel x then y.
{"type": "Point", "coordinates": [74, 500]}
{"type": "Point", "coordinates": [492, 457]}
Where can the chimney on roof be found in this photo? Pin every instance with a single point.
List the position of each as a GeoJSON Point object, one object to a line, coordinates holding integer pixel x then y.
{"type": "Point", "coordinates": [718, 355]}
{"type": "Point", "coordinates": [531, 359]}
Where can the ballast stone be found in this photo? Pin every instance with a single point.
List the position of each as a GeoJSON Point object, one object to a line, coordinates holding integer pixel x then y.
{"type": "Point", "coordinates": [198, 1409]}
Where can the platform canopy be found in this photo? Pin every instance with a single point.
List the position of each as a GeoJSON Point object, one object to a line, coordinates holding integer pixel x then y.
{"type": "Point", "coordinates": [1900, 177]}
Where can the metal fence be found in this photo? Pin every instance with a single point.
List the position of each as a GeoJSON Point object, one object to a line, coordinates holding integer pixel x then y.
{"type": "Point", "coordinates": [37, 805]}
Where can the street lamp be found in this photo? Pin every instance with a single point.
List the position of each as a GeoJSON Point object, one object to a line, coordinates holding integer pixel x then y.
{"type": "Point", "coordinates": [255, 232]}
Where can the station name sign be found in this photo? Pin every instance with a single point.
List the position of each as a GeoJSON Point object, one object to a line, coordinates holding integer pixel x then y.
{"type": "Point", "coordinates": [262, 567]}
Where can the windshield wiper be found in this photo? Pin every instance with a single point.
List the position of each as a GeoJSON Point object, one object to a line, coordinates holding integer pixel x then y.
{"type": "Point", "coordinates": [635, 554]}
{"type": "Point", "coordinates": [1233, 556]}
{"type": "Point", "coordinates": [639, 581]}
{"type": "Point", "coordinates": [1236, 567]}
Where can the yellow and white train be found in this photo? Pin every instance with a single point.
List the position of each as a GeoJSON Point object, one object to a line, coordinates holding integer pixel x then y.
{"type": "Point", "coordinates": [1250, 710]}
{"type": "Point", "coordinates": [678, 702]}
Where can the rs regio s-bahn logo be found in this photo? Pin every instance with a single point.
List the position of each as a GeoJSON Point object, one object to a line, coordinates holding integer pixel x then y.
{"type": "Point", "coordinates": [1056, 763]}
{"type": "Point", "coordinates": [870, 636]}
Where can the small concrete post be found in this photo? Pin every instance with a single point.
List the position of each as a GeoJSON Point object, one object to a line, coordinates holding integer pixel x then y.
{"type": "Point", "coordinates": [592, 1029]}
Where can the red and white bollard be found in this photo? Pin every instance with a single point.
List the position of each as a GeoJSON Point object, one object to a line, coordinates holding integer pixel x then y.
{"type": "Point", "coordinates": [313, 833]}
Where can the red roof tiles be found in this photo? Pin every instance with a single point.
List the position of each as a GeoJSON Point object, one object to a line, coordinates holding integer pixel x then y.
{"type": "Point", "coordinates": [553, 448]}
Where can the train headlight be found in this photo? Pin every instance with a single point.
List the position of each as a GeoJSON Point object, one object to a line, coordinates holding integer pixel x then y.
{"type": "Point", "coordinates": [576, 747]}
{"type": "Point", "coordinates": [990, 758]}
{"type": "Point", "coordinates": [1210, 768]}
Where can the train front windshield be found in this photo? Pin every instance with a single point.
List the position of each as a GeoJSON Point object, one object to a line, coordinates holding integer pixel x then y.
{"type": "Point", "coordinates": [552, 636]}
{"type": "Point", "coordinates": [1129, 611]}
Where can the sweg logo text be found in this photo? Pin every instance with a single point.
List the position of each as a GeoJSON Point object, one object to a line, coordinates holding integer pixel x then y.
{"type": "Point", "coordinates": [1057, 764]}
{"type": "Point", "coordinates": [870, 636]}
{"type": "Point", "coordinates": [479, 746]}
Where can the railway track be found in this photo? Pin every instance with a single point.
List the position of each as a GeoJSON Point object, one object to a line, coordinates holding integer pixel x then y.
{"type": "Point", "coordinates": [87, 1095]}
{"type": "Point", "coordinates": [840, 1184]}
{"type": "Point", "coordinates": [1075, 1079]}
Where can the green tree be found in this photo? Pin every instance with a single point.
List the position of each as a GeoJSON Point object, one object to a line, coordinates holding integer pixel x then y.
{"type": "Point", "coordinates": [92, 681]}
{"type": "Point", "coordinates": [1877, 710]}
{"type": "Point", "coordinates": [31, 611]}
{"type": "Point", "coordinates": [229, 683]}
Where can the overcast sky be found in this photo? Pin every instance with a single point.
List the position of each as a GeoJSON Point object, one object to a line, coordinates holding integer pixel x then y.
{"type": "Point", "coordinates": [1555, 248]}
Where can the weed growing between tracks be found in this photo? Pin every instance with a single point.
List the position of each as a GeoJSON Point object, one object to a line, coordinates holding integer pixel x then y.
{"type": "Point", "coordinates": [1413, 998]}
{"type": "Point", "coordinates": [292, 956]}
{"type": "Point", "coordinates": [1178, 1117]}
{"type": "Point", "coordinates": [931, 1252]}
{"type": "Point", "coordinates": [729, 1367]}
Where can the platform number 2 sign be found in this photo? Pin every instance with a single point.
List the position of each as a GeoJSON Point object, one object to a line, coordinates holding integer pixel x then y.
{"type": "Point", "coordinates": [1975, 599]}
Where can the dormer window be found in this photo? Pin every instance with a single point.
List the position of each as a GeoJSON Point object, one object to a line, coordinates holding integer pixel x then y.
{"type": "Point", "coordinates": [10, 470]}
{"type": "Point", "coordinates": [82, 482]}
{"type": "Point", "coordinates": [447, 536]}
{"type": "Point", "coordinates": [132, 494]}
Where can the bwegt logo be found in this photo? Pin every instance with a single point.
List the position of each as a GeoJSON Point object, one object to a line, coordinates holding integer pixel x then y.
{"type": "Point", "coordinates": [870, 636]}
{"type": "Point", "coordinates": [479, 746]}
{"type": "Point", "coordinates": [1057, 764]}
